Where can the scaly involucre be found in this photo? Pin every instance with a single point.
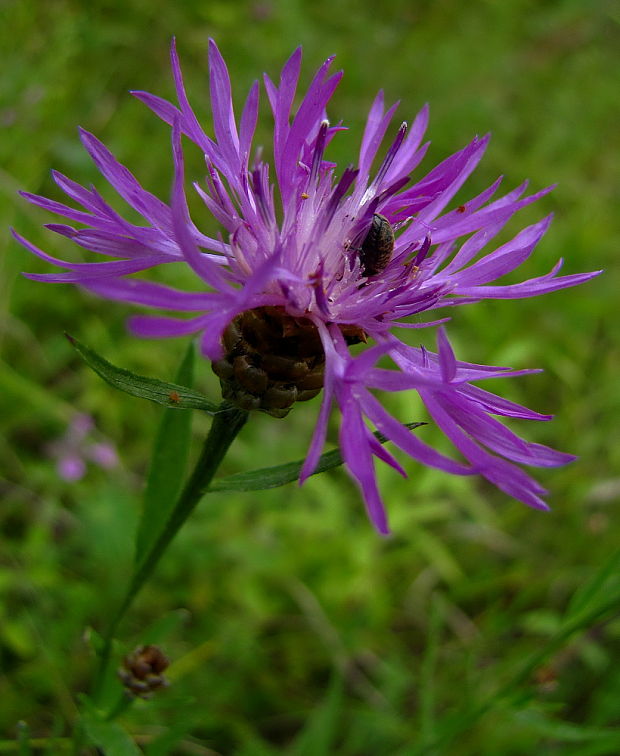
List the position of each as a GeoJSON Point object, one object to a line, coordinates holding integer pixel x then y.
{"type": "Point", "coordinates": [294, 248]}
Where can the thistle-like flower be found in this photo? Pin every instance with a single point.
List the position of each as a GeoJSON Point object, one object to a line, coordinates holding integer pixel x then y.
{"type": "Point", "coordinates": [314, 259]}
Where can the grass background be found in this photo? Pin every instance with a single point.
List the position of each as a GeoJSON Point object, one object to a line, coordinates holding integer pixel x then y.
{"type": "Point", "coordinates": [292, 627]}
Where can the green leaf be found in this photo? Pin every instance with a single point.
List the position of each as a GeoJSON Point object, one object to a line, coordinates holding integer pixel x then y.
{"type": "Point", "coordinates": [93, 639]}
{"type": "Point", "coordinates": [165, 743]}
{"type": "Point", "coordinates": [224, 429]}
{"type": "Point", "coordinates": [23, 739]}
{"type": "Point", "coordinates": [254, 745]}
{"type": "Point", "coordinates": [167, 466]}
{"type": "Point", "coordinates": [280, 475]}
{"type": "Point", "coordinates": [318, 736]}
{"type": "Point", "coordinates": [567, 732]}
{"type": "Point", "coordinates": [163, 626]}
{"type": "Point", "coordinates": [597, 588]}
{"type": "Point", "coordinates": [171, 395]}
{"type": "Point", "coordinates": [428, 673]}
{"type": "Point", "coordinates": [109, 736]}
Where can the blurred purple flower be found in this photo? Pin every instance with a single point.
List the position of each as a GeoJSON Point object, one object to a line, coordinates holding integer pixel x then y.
{"type": "Point", "coordinates": [79, 445]}
{"type": "Point", "coordinates": [303, 250]}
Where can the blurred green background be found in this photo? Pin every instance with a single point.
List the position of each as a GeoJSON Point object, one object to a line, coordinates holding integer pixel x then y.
{"type": "Point", "coordinates": [292, 627]}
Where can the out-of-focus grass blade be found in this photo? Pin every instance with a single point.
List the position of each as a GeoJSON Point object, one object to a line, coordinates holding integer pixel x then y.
{"type": "Point", "coordinates": [568, 732]}
{"type": "Point", "coordinates": [23, 739]}
{"type": "Point", "coordinates": [280, 475]}
{"type": "Point", "coordinates": [54, 740]}
{"type": "Point", "coordinates": [254, 746]}
{"type": "Point", "coordinates": [167, 466]}
{"type": "Point", "coordinates": [174, 395]}
{"type": "Point", "coordinates": [164, 626]}
{"type": "Point", "coordinates": [428, 673]}
{"type": "Point", "coordinates": [597, 587]}
{"type": "Point", "coordinates": [318, 736]}
{"type": "Point", "coordinates": [438, 555]}
{"type": "Point", "coordinates": [169, 741]}
{"type": "Point", "coordinates": [109, 736]}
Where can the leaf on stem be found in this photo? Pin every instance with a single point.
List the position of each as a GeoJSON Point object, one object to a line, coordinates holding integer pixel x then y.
{"type": "Point", "coordinates": [109, 736]}
{"type": "Point", "coordinates": [171, 395]}
{"type": "Point", "coordinates": [167, 466]}
{"type": "Point", "coordinates": [318, 737]}
{"type": "Point", "coordinates": [280, 475]}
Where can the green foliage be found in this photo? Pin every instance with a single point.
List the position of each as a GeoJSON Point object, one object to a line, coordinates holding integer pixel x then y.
{"type": "Point", "coordinates": [280, 475]}
{"type": "Point", "coordinates": [320, 735]}
{"type": "Point", "coordinates": [167, 466]}
{"type": "Point", "coordinates": [433, 631]}
{"type": "Point", "coordinates": [108, 736]}
{"type": "Point", "coordinates": [171, 395]}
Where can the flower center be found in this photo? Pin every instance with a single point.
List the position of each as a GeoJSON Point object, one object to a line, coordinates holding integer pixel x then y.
{"type": "Point", "coordinates": [273, 360]}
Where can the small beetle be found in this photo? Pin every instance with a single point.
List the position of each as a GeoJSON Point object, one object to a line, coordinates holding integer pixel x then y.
{"type": "Point", "coordinates": [377, 247]}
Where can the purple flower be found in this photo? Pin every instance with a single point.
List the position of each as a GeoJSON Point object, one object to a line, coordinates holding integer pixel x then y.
{"type": "Point", "coordinates": [307, 266]}
{"type": "Point", "coordinates": [76, 447]}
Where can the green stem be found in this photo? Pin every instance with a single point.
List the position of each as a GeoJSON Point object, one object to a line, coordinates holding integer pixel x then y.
{"type": "Point", "coordinates": [122, 704]}
{"type": "Point", "coordinates": [225, 426]}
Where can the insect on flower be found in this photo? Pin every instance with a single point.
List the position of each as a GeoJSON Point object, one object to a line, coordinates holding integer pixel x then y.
{"type": "Point", "coordinates": [292, 281]}
{"type": "Point", "coordinates": [377, 246]}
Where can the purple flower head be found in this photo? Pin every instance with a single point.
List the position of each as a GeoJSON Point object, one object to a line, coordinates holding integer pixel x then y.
{"type": "Point", "coordinates": [313, 259]}
{"type": "Point", "coordinates": [78, 446]}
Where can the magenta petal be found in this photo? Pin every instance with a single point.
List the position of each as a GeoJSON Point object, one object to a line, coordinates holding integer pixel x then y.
{"type": "Point", "coordinates": [531, 288]}
{"type": "Point", "coordinates": [71, 468]}
{"type": "Point", "coordinates": [376, 126]}
{"type": "Point", "coordinates": [201, 265]}
{"type": "Point", "coordinates": [358, 459]}
{"type": "Point", "coordinates": [57, 207]}
{"type": "Point", "coordinates": [188, 122]}
{"type": "Point", "coordinates": [384, 455]}
{"type": "Point", "coordinates": [153, 295]}
{"type": "Point", "coordinates": [319, 434]}
{"type": "Point", "coordinates": [221, 104]}
{"type": "Point", "coordinates": [407, 441]}
{"type": "Point", "coordinates": [503, 474]}
{"type": "Point", "coordinates": [447, 361]}
{"type": "Point", "coordinates": [506, 258]}
{"type": "Point", "coordinates": [156, 327]}
{"type": "Point", "coordinates": [247, 127]}
{"type": "Point", "coordinates": [153, 209]}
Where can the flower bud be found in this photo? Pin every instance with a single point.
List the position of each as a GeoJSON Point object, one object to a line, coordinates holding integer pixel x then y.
{"type": "Point", "coordinates": [141, 672]}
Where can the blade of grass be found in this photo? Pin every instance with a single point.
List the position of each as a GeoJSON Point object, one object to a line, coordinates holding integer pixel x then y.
{"type": "Point", "coordinates": [167, 466]}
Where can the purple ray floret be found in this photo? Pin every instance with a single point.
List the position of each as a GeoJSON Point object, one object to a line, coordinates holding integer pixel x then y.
{"type": "Point", "coordinates": [291, 239]}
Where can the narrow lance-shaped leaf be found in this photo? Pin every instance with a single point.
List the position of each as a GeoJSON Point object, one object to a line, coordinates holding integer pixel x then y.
{"type": "Point", "coordinates": [603, 583]}
{"type": "Point", "coordinates": [23, 739]}
{"type": "Point", "coordinates": [110, 737]}
{"type": "Point", "coordinates": [172, 395]}
{"type": "Point", "coordinates": [321, 730]}
{"type": "Point", "coordinates": [167, 466]}
{"type": "Point", "coordinates": [280, 475]}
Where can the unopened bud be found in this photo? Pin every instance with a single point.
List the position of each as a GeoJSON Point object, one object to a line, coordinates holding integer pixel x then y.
{"type": "Point", "coordinates": [141, 672]}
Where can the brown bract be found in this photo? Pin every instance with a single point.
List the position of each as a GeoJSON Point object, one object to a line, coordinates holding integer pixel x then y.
{"type": "Point", "coordinates": [142, 671]}
{"type": "Point", "coordinates": [273, 360]}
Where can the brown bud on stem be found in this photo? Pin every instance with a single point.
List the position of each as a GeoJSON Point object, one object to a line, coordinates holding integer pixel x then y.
{"type": "Point", "coordinates": [141, 672]}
